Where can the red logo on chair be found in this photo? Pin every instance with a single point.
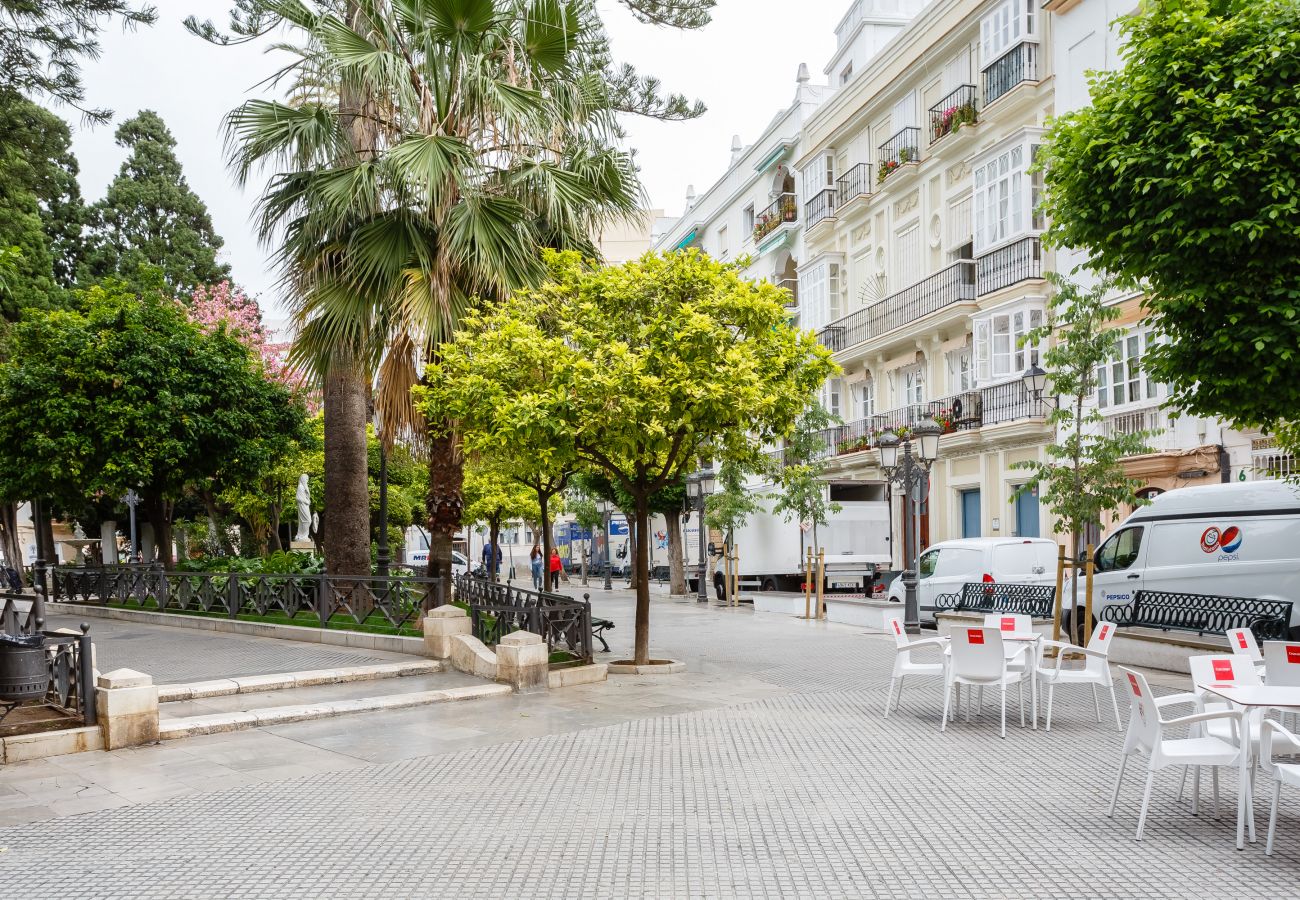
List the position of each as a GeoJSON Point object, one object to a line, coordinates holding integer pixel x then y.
{"type": "Point", "coordinates": [1293, 653]}
{"type": "Point", "coordinates": [974, 636]}
{"type": "Point", "coordinates": [1241, 640]}
{"type": "Point", "coordinates": [1133, 683]}
{"type": "Point", "coordinates": [1008, 623]}
{"type": "Point", "coordinates": [1104, 630]}
{"type": "Point", "coordinates": [898, 629]}
{"type": "Point", "coordinates": [1223, 670]}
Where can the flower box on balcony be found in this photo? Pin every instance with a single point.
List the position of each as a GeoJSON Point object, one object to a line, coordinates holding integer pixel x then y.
{"type": "Point", "coordinates": [890, 166]}
{"type": "Point", "coordinates": [784, 209]}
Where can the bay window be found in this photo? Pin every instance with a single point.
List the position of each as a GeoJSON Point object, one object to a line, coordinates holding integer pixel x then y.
{"type": "Point", "coordinates": [1122, 381]}
{"type": "Point", "coordinates": [1007, 24]}
{"type": "Point", "coordinates": [1006, 194]}
{"type": "Point", "coordinates": [1001, 351]}
{"type": "Point", "coordinates": [823, 292]}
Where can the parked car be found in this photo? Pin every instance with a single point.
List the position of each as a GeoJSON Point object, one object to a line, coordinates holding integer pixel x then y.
{"type": "Point", "coordinates": [946, 566]}
{"type": "Point", "coordinates": [1228, 540]}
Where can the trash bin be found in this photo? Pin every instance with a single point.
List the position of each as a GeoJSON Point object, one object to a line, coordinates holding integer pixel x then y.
{"type": "Point", "coordinates": [24, 670]}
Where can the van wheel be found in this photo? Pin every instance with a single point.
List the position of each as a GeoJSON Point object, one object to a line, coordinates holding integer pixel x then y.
{"type": "Point", "coordinates": [769, 584]}
{"type": "Point", "coordinates": [1072, 629]}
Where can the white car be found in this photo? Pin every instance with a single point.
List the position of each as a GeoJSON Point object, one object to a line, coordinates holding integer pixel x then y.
{"type": "Point", "coordinates": [947, 565]}
{"type": "Point", "coordinates": [420, 559]}
{"type": "Point", "coordinates": [1228, 540]}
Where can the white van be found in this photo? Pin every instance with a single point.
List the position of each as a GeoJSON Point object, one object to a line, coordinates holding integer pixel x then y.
{"type": "Point", "coordinates": [947, 565]}
{"type": "Point", "coordinates": [1228, 540]}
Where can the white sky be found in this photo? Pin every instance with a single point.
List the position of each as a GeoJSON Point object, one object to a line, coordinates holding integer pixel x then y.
{"type": "Point", "coordinates": [743, 66]}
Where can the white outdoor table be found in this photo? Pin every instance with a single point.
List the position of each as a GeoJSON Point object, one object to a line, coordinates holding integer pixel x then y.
{"type": "Point", "coordinates": [1252, 697]}
{"type": "Point", "coordinates": [1013, 644]}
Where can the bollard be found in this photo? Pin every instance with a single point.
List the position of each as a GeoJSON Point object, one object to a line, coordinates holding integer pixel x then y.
{"type": "Point", "coordinates": [821, 581]}
{"type": "Point", "coordinates": [807, 584]}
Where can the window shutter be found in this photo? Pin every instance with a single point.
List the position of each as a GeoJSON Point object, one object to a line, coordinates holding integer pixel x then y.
{"type": "Point", "coordinates": [983, 368]}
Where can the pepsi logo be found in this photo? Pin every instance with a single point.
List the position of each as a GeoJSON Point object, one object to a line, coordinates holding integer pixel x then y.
{"type": "Point", "coordinates": [1226, 540]}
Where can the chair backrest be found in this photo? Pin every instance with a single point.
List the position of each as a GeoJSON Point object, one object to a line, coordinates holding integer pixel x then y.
{"type": "Point", "coordinates": [1009, 622]}
{"type": "Point", "coordinates": [1222, 669]}
{"type": "Point", "coordinates": [894, 625]}
{"type": "Point", "coordinates": [1102, 635]}
{"type": "Point", "coordinates": [1144, 722]}
{"type": "Point", "coordinates": [1282, 663]}
{"type": "Point", "coordinates": [977, 653]}
{"type": "Point", "coordinates": [1243, 642]}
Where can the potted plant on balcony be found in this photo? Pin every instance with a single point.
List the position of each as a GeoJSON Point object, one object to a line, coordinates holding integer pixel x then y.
{"type": "Point", "coordinates": [944, 419]}
{"type": "Point", "coordinates": [952, 119]}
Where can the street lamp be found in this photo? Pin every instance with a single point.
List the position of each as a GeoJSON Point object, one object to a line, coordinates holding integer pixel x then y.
{"type": "Point", "coordinates": [132, 500]}
{"type": "Point", "coordinates": [912, 475]}
{"type": "Point", "coordinates": [1035, 381]}
{"type": "Point", "coordinates": [604, 507]}
{"type": "Point", "coordinates": [699, 486]}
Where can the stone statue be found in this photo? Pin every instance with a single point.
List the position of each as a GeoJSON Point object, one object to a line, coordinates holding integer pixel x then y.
{"type": "Point", "coordinates": [304, 509]}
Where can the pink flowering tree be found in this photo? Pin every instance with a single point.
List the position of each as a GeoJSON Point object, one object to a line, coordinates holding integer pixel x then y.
{"type": "Point", "coordinates": [226, 304]}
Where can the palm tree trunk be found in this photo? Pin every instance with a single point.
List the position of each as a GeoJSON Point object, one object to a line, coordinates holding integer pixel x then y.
{"type": "Point", "coordinates": [676, 571]}
{"type": "Point", "coordinates": [445, 504]}
{"type": "Point", "coordinates": [346, 523]}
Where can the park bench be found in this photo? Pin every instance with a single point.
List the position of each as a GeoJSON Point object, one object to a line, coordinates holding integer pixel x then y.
{"type": "Point", "coordinates": [1203, 614]}
{"type": "Point", "coordinates": [1034, 600]}
{"type": "Point", "coordinates": [598, 629]}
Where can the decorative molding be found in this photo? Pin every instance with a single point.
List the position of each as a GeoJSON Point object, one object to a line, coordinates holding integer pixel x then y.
{"type": "Point", "coordinates": [908, 203]}
{"type": "Point", "coordinates": [936, 231]}
{"type": "Point", "coordinates": [957, 173]}
{"type": "Point", "coordinates": [862, 232]}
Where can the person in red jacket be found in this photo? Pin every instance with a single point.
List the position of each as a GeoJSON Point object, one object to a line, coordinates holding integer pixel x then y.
{"type": "Point", "coordinates": [555, 568]}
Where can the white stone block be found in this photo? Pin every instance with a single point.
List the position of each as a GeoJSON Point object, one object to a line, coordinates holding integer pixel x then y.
{"type": "Point", "coordinates": [469, 655]}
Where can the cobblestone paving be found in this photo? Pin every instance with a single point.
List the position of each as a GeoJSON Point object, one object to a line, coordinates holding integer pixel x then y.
{"type": "Point", "coordinates": [173, 655]}
{"type": "Point", "coordinates": [807, 793]}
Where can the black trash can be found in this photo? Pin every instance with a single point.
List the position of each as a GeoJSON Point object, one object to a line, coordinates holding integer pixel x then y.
{"type": "Point", "coordinates": [24, 671]}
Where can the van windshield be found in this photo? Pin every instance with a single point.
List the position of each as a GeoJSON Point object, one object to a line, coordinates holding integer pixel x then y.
{"type": "Point", "coordinates": [1023, 559]}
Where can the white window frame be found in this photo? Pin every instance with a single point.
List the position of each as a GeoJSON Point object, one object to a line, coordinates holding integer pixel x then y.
{"type": "Point", "coordinates": [1009, 23]}
{"type": "Point", "coordinates": [864, 400]}
{"type": "Point", "coordinates": [999, 354]}
{"type": "Point", "coordinates": [961, 370]}
{"type": "Point", "coordinates": [1005, 195]}
{"type": "Point", "coordinates": [833, 397]}
{"type": "Point", "coordinates": [724, 243]}
{"type": "Point", "coordinates": [747, 219]}
{"type": "Point", "coordinates": [837, 291]}
{"type": "Point", "coordinates": [909, 255]}
{"type": "Point", "coordinates": [910, 384]}
{"type": "Point", "coordinates": [818, 175]}
{"type": "Point", "coordinates": [1124, 372]}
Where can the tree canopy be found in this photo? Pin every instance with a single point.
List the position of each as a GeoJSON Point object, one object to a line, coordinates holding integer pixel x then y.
{"type": "Point", "coordinates": [150, 217]}
{"type": "Point", "coordinates": [1182, 176]}
{"type": "Point", "coordinates": [635, 370]}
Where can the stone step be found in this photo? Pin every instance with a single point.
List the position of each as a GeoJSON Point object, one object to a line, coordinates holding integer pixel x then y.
{"type": "Point", "coordinates": [248, 684]}
{"type": "Point", "coordinates": [171, 727]}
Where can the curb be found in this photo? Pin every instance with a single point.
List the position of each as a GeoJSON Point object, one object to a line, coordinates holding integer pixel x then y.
{"type": "Point", "coordinates": [251, 684]}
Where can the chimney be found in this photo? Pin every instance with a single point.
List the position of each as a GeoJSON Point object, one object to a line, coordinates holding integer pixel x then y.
{"type": "Point", "coordinates": [802, 77]}
{"type": "Point", "coordinates": [736, 149]}
{"type": "Point", "coordinates": [690, 195]}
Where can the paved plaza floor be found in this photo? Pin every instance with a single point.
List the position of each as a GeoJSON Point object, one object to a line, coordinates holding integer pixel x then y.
{"type": "Point", "coordinates": [765, 770]}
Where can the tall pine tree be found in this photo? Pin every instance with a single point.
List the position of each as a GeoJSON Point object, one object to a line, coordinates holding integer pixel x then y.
{"type": "Point", "coordinates": [150, 217]}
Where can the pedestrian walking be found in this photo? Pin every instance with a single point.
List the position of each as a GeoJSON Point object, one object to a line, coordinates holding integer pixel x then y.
{"type": "Point", "coordinates": [535, 560]}
{"type": "Point", "coordinates": [492, 560]}
{"type": "Point", "coordinates": [556, 568]}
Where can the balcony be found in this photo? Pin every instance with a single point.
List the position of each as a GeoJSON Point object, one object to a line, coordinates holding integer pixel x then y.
{"type": "Point", "coordinates": [820, 208]}
{"type": "Point", "coordinates": [954, 284]}
{"type": "Point", "coordinates": [791, 287]}
{"type": "Point", "coordinates": [781, 211]}
{"type": "Point", "coordinates": [1157, 431]}
{"type": "Point", "coordinates": [898, 151]}
{"type": "Point", "coordinates": [1019, 64]}
{"type": "Point", "coordinates": [952, 112]}
{"type": "Point", "coordinates": [1016, 262]}
{"type": "Point", "coordinates": [854, 183]}
{"type": "Point", "coordinates": [1010, 402]}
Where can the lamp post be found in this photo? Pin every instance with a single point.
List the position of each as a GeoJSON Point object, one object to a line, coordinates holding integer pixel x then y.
{"type": "Point", "coordinates": [699, 486]}
{"type": "Point", "coordinates": [911, 474]}
{"type": "Point", "coordinates": [604, 507]}
{"type": "Point", "coordinates": [132, 500]}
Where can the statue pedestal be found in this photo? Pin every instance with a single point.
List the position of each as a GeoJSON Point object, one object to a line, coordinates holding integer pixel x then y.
{"type": "Point", "coordinates": [303, 545]}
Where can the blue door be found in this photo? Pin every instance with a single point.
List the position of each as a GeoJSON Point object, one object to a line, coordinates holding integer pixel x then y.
{"type": "Point", "coordinates": [1027, 514]}
{"type": "Point", "coordinates": [970, 514]}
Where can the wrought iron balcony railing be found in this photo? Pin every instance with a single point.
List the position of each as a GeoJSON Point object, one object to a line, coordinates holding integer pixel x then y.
{"type": "Point", "coordinates": [791, 287]}
{"type": "Point", "coordinates": [854, 183]}
{"type": "Point", "coordinates": [954, 284]}
{"type": "Point", "coordinates": [1010, 402]}
{"type": "Point", "coordinates": [952, 112]}
{"type": "Point", "coordinates": [783, 209]}
{"type": "Point", "coordinates": [821, 206]}
{"type": "Point", "coordinates": [901, 149]}
{"type": "Point", "coordinates": [1005, 266]}
{"type": "Point", "coordinates": [1018, 64]}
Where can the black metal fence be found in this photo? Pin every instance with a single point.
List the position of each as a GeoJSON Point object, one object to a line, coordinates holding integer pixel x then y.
{"type": "Point", "coordinates": [1010, 402]}
{"type": "Point", "coordinates": [497, 609]}
{"type": "Point", "coordinates": [783, 209]}
{"type": "Point", "coordinates": [952, 112]}
{"type": "Point", "coordinates": [68, 659]}
{"type": "Point", "coordinates": [1270, 620]}
{"type": "Point", "coordinates": [1036, 600]}
{"type": "Point", "coordinates": [324, 600]}
{"type": "Point", "coordinates": [854, 183]}
{"type": "Point", "coordinates": [1005, 266]}
{"type": "Point", "coordinates": [955, 284]}
{"type": "Point", "coordinates": [1018, 64]}
{"type": "Point", "coordinates": [903, 148]}
{"type": "Point", "coordinates": [821, 206]}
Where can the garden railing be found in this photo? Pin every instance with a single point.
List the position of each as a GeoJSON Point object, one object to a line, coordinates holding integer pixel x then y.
{"type": "Point", "coordinates": [499, 608]}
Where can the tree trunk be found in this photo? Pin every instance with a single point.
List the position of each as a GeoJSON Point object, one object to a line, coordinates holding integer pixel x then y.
{"type": "Point", "coordinates": [215, 527]}
{"type": "Point", "coordinates": [642, 579]}
{"type": "Point", "coordinates": [676, 571]}
{"type": "Point", "coordinates": [159, 513]}
{"type": "Point", "coordinates": [346, 524]}
{"type": "Point", "coordinates": [273, 538]}
{"type": "Point", "coordinates": [45, 528]}
{"type": "Point", "coordinates": [445, 503]}
{"type": "Point", "coordinates": [13, 551]}
{"type": "Point", "coordinates": [549, 581]}
{"type": "Point", "coordinates": [494, 531]}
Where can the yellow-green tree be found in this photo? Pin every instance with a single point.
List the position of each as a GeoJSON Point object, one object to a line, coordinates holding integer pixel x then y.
{"type": "Point", "coordinates": [634, 370]}
{"type": "Point", "coordinates": [493, 496]}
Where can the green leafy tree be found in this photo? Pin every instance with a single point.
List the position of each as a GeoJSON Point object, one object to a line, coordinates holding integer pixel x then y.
{"type": "Point", "coordinates": [802, 479]}
{"type": "Point", "coordinates": [149, 217]}
{"type": "Point", "coordinates": [587, 517]}
{"type": "Point", "coordinates": [43, 42]}
{"type": "Point", "coordinates": [1182, 178]}
{"type": "Point", "coordinates": [668, 501]}
{"type": "Point", "coordinates": [1083, 475]}
{"type": "Point", "coordinates": [634, 370]}
{"type": "Point", "coordinates": [494, 497]}
{"type": "Point", "coordinates": [125, 392]}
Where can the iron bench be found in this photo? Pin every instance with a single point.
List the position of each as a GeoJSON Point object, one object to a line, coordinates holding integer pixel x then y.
{"type": "Point", "coordinates": [1203, 614]}
{"type": "Point", "coordinates": [1036, 600]}
{"type": "Point", "coordinates": [598, 629]}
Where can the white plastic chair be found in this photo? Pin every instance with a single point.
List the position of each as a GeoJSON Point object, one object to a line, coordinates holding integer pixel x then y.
{"type": "Point", "coordinates": [1221, 669]}
{"type": "Point", "coordinates": [903, 664]}
{"type": "Point", "coordinates": [1095, 671]}
{"type": "Point", "coordinates": [979, 659]}
{"type": "Point", "coordinates": [1243, 643]}
{"type": "Point", "coordinates": [1271, 733]}
{"type": "Point", "coordinates": [1146, 732]}
{"type": "Point", "coordinates": [1013, 623]}
{"type": "Point", "coordinates": [1282, 663]}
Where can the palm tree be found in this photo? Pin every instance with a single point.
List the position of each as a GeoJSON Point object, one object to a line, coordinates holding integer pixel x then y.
{"type": "Point", "coordinates": [467, 136]}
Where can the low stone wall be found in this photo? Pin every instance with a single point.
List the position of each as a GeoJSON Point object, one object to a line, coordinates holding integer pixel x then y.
{"type": "Point", "coordinates": [785, 604]}
{"type": "Point", "coordinates": [1167, 650]}
{"type": "Point", "coordinates": [870, 614]}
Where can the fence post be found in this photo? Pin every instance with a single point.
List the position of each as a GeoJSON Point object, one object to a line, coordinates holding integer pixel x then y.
{"type": "Point", "coordinates": [160, 586]}
{"type": "Point", "coordinates": [322, 600]}
{"type": "Point", "coordinates": [42, 589]}
{"type": "Point", "coordinates": [86, 676]}
{"type": "Point", "coordinates": [588, 652]}
{"type": "Point", "coordinates": [232, 594]}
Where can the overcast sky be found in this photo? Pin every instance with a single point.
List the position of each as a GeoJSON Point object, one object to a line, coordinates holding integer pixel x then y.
{"type": "Point", "coordinates": [743, 66]}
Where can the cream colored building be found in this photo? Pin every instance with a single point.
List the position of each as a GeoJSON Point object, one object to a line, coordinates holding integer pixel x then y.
{"type": "Point", "coordinates": [622, 242]}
